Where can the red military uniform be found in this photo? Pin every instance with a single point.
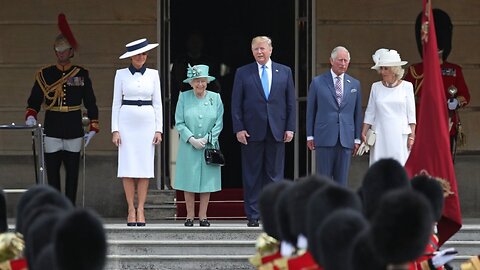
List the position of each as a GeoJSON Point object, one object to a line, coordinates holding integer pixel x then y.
{"type": "Point", "coordinates": [452, 76]}
{"type": "Point", "coordinates": [17, 264]}
{"type": "Point", "coordinates": [304, 261]}
{"type": "Point", "coordinates": [422, 262]}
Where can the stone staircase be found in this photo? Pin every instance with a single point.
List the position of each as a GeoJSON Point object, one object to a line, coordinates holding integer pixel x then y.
{"type": "Point", "coordinates": [466, 242]}
{"type": "Point", "coordinates": [165, 246]}
{"type": "Point", "coordinates": [224, 245]}
{"type": "Point", "coordinates": [160, 205]}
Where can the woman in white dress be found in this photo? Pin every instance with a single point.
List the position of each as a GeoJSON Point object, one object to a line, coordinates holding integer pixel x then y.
{"type": "Point", "coordinates": [391, 110]}
{"type": "Point", "coordinates": [137, 125]}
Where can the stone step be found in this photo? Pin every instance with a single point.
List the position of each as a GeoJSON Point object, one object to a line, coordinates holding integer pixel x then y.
{"type": "Point", "coordinates": [181, 247]}
{"type": "Point", "coordinates": [176, 231]}
{"type": "Point", "coordinates": [224, 245]}
{"type": "Point", "coordinates": [187, 262]}
{"type": "Point", "coordinates": [468, 232]}
{"type": "Point", "coordinates": [155, 196]}
{"type": "Point", "coordinates": [170, 245]}
{"type": "Point", "coordinates": [196, 262]}
{"type": "Point", "coordinates": [455, 263]}
{"type": "Point", "coordinates": [165, 211]}
{"type": "Point", "coordinates": [467, 248]}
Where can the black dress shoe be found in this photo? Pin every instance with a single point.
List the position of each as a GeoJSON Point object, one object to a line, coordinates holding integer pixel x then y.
{"type": "Point", "coordinates": [204, 223]}
{"type": "Point", "coordinates": [141, 224]}
{"type": "Point", "coordinates": [253, 223]}
{"type": "Point", "coordinates": [188, 223]}
{"type": "Point", "coordinates": [131, 224]}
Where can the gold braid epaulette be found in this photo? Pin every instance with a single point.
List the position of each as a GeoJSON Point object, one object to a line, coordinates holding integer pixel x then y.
{"type": "Point", "coordinates": [418, 79]}
{"type": "Point", "coordinates": [56, 88]}
{"type": "Point", "coordinates": [265, 245]}
{"type": "Point", "coordinates": [11, 246]}
{"type": "Point", "coordinates": [472, 264]}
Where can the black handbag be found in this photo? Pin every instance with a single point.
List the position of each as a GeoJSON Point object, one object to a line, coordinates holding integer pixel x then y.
{"type": "Point", "coordinates": [213, 155]}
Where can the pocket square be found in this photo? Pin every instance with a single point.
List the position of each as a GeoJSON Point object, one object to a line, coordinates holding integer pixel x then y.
{"type": "Point", "coordinates": [353, 90]}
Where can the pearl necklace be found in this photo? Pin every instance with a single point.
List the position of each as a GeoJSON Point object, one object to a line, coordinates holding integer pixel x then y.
{"type": "Point", "coordinates": [391, 85]}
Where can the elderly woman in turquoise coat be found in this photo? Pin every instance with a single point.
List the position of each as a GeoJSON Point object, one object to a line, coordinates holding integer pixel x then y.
{"type": "Point", "coordinates": [199, 121]}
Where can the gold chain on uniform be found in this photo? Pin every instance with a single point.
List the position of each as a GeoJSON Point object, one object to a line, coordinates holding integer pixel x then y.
{"type": "Point", "coordinates": [56, 88]}
{"type": "Point", "coordinates": [418, 79]}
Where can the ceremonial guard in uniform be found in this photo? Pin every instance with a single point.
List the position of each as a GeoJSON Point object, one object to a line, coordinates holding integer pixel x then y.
{"type": "Point", "coordinates": [456, 90]}
{"type": "Point", "coordinates": [62, 88]}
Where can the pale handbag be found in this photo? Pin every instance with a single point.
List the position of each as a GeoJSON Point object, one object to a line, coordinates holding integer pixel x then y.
{"type": "Point", "coordinates": [369, 142]}
{"type": "Point", "coordinates": [371, 136]}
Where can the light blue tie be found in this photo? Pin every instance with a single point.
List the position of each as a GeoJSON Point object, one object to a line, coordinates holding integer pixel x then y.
{"type": "Point", "coordinates": [266, 88]}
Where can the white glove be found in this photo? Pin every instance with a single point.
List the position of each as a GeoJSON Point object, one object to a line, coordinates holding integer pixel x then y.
{"type": "Point", "coordinates": [452, 104]}
{"type": "Point", "coordinates": [87, 137]}
{"type": "Point", "coordinates": [364, 148]}
{"type": "Point", "coordinates": [204, 141]}
{"type": "Point", "coordinates": [442, 257]}
{"type": "Point", "coordinates": [31, 121]}
{"type": "Point", "coordinates": [197, 143]}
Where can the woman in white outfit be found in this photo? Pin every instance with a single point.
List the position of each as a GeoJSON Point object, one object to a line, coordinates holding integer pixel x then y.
{"type": "Point", "coordinates": [137, 125]}
{"type": "Point", "coordinates": [391, 109]}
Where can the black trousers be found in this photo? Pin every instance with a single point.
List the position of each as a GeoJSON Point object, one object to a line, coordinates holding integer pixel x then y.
{"type": "Point", "coordinates": [71, 162]}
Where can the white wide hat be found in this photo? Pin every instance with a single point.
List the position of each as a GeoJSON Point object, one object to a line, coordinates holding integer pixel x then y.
{"type": "Point", "coordinates": [137, 47]}
{"type": "Point", "coordinates": [387, 58]}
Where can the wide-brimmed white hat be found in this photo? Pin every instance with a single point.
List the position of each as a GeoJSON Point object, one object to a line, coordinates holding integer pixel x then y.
{"type": "Point", "coordinates": [137, 46]}
{"type": "Point", "coordinates": [387, 58]}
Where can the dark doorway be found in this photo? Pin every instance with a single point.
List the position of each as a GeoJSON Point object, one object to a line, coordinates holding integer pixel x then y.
{"type": "Point", "coordinates": [225, 29]}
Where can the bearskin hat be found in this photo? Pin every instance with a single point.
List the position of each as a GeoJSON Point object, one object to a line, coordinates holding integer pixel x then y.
{"type": "Point", "coordinates": [384, 175]}
{"type": "Point", "coordinates": [402, 226]}
{"type": "Point", "coordinates": [49, 196]}
{"type": "Point", "coordinates": [266, 205]}
{"type": "Point", "coordinates": [443, 31]}
{"type": "Point", "coordinates": [46, 259]}
{"type": "Point", "coordinates": [324, 202]}
{"type": "Point", "coordinates": [363, 255]}
{"type": "Point", "coordinates": [298, 198]}
{"type": "Point", "coordinates": [3, 212]}
{"type": "Point", "coordinates": [334, 238]}
{"type": "Point", "coordinates": [36, 196]}
{"type": "Point", "coordinates": [432, 189]}
{"type": "Point", "coordinates": [80, 242]}
{"type": "Point", "coordinates": [281, 215]}
{"type": "Point", "coordinates": [40, 233]}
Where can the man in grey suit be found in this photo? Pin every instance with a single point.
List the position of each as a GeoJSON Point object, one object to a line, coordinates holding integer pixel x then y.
{"type": "Point", "coordinates": [334, 117]}
{"type": "Point", "coordinates": [263, 117]}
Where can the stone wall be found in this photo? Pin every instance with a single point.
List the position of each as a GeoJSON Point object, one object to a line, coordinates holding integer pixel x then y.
{"type": "Point", "coordinates": [102, 28]}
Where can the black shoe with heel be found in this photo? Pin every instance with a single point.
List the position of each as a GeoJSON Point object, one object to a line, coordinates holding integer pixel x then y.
{"type": "Point", "coordinates": [131, 216]}
{"type": "Point", "coordinates": [141, 216]}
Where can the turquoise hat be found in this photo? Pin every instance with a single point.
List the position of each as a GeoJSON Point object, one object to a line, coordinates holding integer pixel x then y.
{"type": "Point", "coordinates": [197, 71]}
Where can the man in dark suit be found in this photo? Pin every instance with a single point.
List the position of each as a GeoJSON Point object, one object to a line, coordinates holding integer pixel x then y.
{"type": "Point", "coordinates": [334, 117]}
{"type": "Point", "coordinates": [263, 114]}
